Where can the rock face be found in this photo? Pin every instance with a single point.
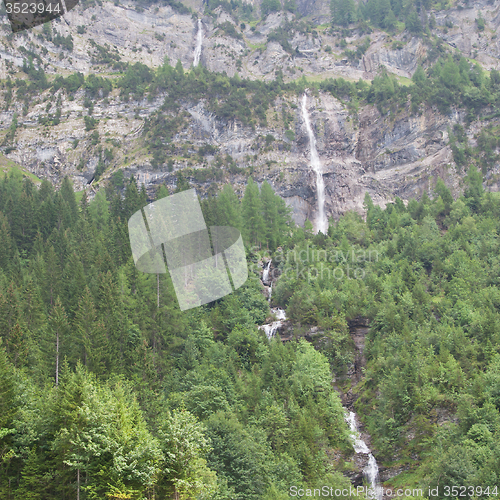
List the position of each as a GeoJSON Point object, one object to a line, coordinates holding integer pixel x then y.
{"type": "Point", "coordinates": [364, 152]}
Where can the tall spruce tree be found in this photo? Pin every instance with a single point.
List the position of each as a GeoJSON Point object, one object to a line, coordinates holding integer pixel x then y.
{"type": "Point", "coordinates": [253, 223]}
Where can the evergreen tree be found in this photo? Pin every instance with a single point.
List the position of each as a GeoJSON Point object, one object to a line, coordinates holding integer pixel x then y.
{"type": "Point", "coordinates": [92, 340]}
{"type": "Point", "coordinates": [230, 207]}
{"type": "Point", "coordinates": [474, 189]}
{"type": "Point", "coordinates": [6, 244]}
{"type": "Point", "coordinates": [7, 412]}
{"type": "Point", "coordinates": [73, 283]}
{"type": "Point", "coordinates": [7, 408]}
{"type": "Point", "coordinates": [59, 328]}
{"type": "Point", "coordinates": [132, 201]}
{"type": "Point", "coordinates": [34, 484]}
{"type": "Point", "coordinates": [253, 223]}
{"type": "Point", "coordinates": [413, 23]}
{"type": "Point", "coordinates": [52, 276]}
{"type": "Point", "coordinates": [185, 447]}
{"type": "Point", "coordinates": [68, 196]}
{"type": "Point", "coordinates": [343, 12]}
{"type": "Point", "coordinates": [270, 215]}
{"type": "Point", "coordinates": [32, 307]}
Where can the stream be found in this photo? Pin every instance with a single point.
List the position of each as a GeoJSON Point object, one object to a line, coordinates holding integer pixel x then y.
{"type": "Point", "coordinates": [371, 470]}
{"type": "Point", "coordinates": [358, 333]}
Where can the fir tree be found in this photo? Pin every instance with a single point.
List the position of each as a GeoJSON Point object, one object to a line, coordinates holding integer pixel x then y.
{"type": "Point", "coordinates": [230, 207]}
{"type": "Point", "coordinates": [253, 225]}
{"type": "Point", "coordinates": [59, 329]}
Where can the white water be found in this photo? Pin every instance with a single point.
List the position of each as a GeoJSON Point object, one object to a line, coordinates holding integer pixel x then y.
{"type": "Point", "coordinates": [273, 327]}
{"type": "Point", "coordinates": [371, 470]}
{"type": "Point", "coordinates": [321, 220]}
{"type": "Point", "coordinates": [270, 292]}
{"type": "Point", "coordinates": [265, 274]}
{"type": "Point", "coordinates": [199, 41]}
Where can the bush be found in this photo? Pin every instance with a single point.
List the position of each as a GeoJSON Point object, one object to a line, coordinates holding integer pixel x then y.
{"type": "Point", "coordinates": [268, 6]}
{"type": "Point", "coordinates": [90, 123]}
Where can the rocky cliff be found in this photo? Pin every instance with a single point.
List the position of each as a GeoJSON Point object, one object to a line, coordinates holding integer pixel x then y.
{"type": "Point", "coordinates": [361, 152]}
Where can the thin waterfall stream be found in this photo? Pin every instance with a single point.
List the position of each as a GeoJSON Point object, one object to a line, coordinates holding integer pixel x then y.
{"type": "Point", "coordinates": [321, 220]}
{"type": "Point", "coordinates": [358, 329]}
{"type": "Point", "coordinates": [199, 43]}
{"type": "Point", "coordinates": [371, 470]}
{"type": "Point", "coordinates": [271, 328]}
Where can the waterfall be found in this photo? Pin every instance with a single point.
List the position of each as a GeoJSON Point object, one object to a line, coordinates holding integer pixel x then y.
{"type": "Point", "coordinates": [199, 41]}
{"type": "Point", "coordinates": [270, 292]}
{"type": "Point", "coordinates": [321, 220]}
{"type": "Point", "coordinates": [371, 470]}
{"type": "Point", "coordinates": [273, 327]}
{"type": "Point", "coordinates": [265, 274]}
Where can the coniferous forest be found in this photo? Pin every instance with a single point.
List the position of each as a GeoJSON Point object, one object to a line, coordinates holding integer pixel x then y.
{"type": "Point", "coordinates": [107, 393]}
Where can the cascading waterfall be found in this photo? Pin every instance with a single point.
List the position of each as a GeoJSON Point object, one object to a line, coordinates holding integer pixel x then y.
{"type": "Point", "coordinates": [265, 274]}
{"type": "Point", "coordinates": [199, 42]}
{"type": "Point", "coordinates": [273, 327]}
{"type": "Point", "coordinates": [321, 221]}
{"type": "Point", "coordinates": [371, 470]}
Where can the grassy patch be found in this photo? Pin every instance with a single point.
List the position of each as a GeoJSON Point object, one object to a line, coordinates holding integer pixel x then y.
{"type": "Point", "coordinates": [407, 479]}
{"type": "Point", "coordinates": [7, 166]}
{"type": "Point", "coordinates": [79, 195]}
{"type": "Point", "coordinates": [256, 46]}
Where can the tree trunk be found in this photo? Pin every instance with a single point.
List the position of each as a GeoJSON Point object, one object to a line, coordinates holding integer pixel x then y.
{"type": "Point", "coordinates": [57, 358]}
{"type": "Point", "coordinates": [77, 484]}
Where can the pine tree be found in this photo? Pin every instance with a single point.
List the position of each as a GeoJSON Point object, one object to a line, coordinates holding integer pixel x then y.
{"type": "Point", "coordinates": [413, 23]}
{"type": "Point", "coordinates": [383, 13]}
{"type": "Point", "coordinates": [253, 223]}
{"type": "Point", "coordinates": [92, 339]}
{"type": "Point", "coordinates": [343, 12]}
{"type": "Point", "coordinates": [59, 328]}
{"type": "Point", "coordinates": [7, 408]}
{"type": "Point", "coordinates": [73, 283]}
{"type": "Point", "coordinates": [6, 244]}
{"type": "Point", "coordinates": [33, 312]}
{"type": "Point", "coordinates": [161, 192]}
{"type": "Point", "coordinates": [21, 214]}
{"type": "Point", "coordinates": [7, 412]}
{"type": "Point", "coordinates": [113, 316]}
{"type": "Point", "coordinates": [68, 195]}
{"type": "Point", "coordinates": [132, 201]}
{"type": "Point", "coordinates": [46, 213]}
{"type": "Point", "coordinates": [52, 276]}
{"type": "Point", "coordinates": [99, 211]}
{"type": "Point", "coordinates": [474, 189]}
{"type": "Point", "coordinates": [230, 207]}
{"type": "Point", "coordinates": [270, 215]}
{"type": "Point", "coordinates": [184, 447]}
{"type": "Point", "coordinates": [10, 311]}
{"type": "Point", "coordinates": [34, 478]}
{"type": "Point", "coordinates": [116, 206]}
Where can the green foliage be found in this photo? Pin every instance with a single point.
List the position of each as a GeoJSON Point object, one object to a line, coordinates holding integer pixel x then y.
{"type": "Point", "coordinates": [228, 29]}
{"type": "Point", "coordinates": [135, 81]}
{"type": "Point", "coordinates": [107, 392]}
{"type": "Point", "coordinates": [90, 123]}
{"type": "Point", "coordinates": [268, 6]}
{"type": "Point", "coordinates": [66, 42]}
{"type": "Point", "coordinates": [104, 55]}
{"type": "Point", "coordinates": [97, 86]}
{"type": "Point", "coordinates": [343, 12]}
{"type": "Point", "coordinates": [151, 401]}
